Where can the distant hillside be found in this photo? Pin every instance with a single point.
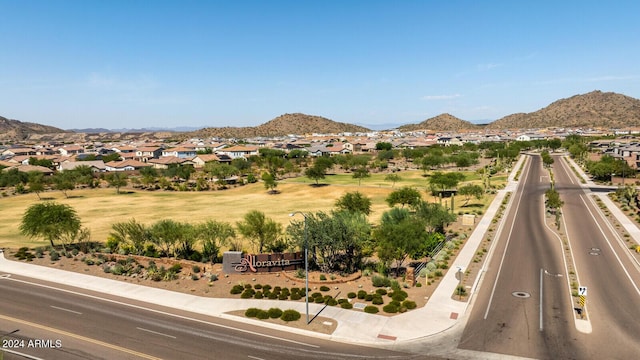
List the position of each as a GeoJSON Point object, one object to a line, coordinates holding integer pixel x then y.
{"type": "Point", "coordinates": [442, 122]}
{"type": "Point", "coordinates": [18, 130]}
{"type": "Point", "coordinates": [286, 124]}
{"type": "Point", "coordinates": [594, 109]}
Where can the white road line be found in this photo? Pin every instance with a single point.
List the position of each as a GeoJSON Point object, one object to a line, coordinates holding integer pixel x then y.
{"type": "Point", "coordinates": [26, 356]}
{"type": "Point", "coordinates": [611, 247]}
{"type": "Point", "coordinates": [166, 313]}
{"type": "Point", "coordinates": [541, 276]}
{"type": "Point", "coordinates": [155, 332]}
{"type": "Point", "coordinates": [67, 310]}
{"type": "Point", "coordinates": [254, 357]}
{"type": "Point", "coordinates": [504, 254]}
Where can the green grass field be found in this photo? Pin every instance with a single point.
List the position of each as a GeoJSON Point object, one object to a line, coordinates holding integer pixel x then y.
{"type": "Point", "coordinates": [100, 208]}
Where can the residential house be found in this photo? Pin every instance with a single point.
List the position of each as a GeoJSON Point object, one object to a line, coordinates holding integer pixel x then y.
{"type": "Point", "coordinates": [95, 165]}
{"type": "Point", "coordinates": [148, 152]}
{"type": "Point", "coordinates": [70, 150]}
{"type": "Point", "coordinates": [125, 165]}
{"type": "Point", "coordinates": [201, 159]}
{"type": "Point", "coordinates": [30, 168]}
{"type": "Point", "coordinates": [19, 152]}
{"type": "Point", "coordinates": [239, 151]}
{"type": "Point", "coordinates": [165, 161]}
{"type": "Point", "coordinates": [180, 152]}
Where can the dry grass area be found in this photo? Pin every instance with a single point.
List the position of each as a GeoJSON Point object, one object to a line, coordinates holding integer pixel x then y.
{"type": "Point", "coordinates": [99, 209]}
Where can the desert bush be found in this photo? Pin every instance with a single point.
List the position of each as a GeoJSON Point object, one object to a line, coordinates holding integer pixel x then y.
{"type": "Point", "coordinates": [318, 300]}
{"type": "Point", "coordinates": [295, 296]}
{"type": "Point", "coordinates": [381, 291]}
{"type": "Point", "coordinates": [290, 315]}
{"type": "Point", "coordinates": [247, 294]}
{"type": "Point", "coordinates": [377, 300]}
{"type": "Point", "coordinates": [390, 308]}
{"type": "Point", "coordinates": [323, 277]}
{"type": "Point", "coordinates": [54, 255]}
{"type": "Point", "coordinates": [258, 295]}
{"type": "Point", "coordinates": [380, 281]}
{"type": "Point", "coordinates": [371, 309]}
{"type": "Point", "coordinates": [324, 288]}
{"type": "Point", "coordinates": [251, 312]}
{"type": "Point", "coordinates": [368, 297]}
{"type": "Point", "coordinates": [351, 295]}
{"type": "Point", "coordinates": [262, 314]}
{"type": "Point", "coordinates": [409, 304]}
{"type": "Point", "coordinates": [361, 294]}
{"type": "Point", "coordinates": [346, 305]}
{"type": "Point", "coordinates": [332, 302]}
{"type": "Point", "coordinates": [196, 269]}
{"type": "Point", "coordinates": [275, 313]}
{"type": "Point", "coordinates": [237, 289]}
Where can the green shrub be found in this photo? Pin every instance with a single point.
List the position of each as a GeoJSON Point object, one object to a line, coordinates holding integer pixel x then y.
{"type": "Point", "coordinates": [290, 315]}
{"type": "Point", "coordinates": [295, 296]}
{"type": "Point", "coordinates": [368, 297]}
{"type": "Point", "coordinates": [213, 277]}
{"type": "Point", "coordinates": [237, 289]}
{"type": "Point", "coordinates": [258, 295]}
{"type": "Point", "coordinates": [251, 312]}
{"type": "Point", "coordinates": [247, 294]}
{"type": "Point", "coordinates": [371, 309]}
{"type": "Point", "coordinates": [323, 277]}
{"type": "Point", "coordinates": [346, 305]}
{"type": "Point", "coordinates": [196, 269]}
{"type": "Point", "coordinates": [257, 286]}
{"type": "Point", "coordinates": [409, 304]}
{"type": "Point", "coordinates": [318, 300]}
{"type": "Point", "coordinates": [332, 302]}
{"type": "Point", "coordinates": [262, 314]}
{"type": "Point", "coordinates": [351, 295]}
{"type": "Point", "coordinates": [117, 269]}
{"type": "Point", "coordinates": [361, 294]}
{"type": "Point", "coordinates": [380, 281]}
{"type": "Point", "coordinates": [377, 300]}
{"type": "Point", "coordinates": [175, 268]}
{"type": "Point", "coordinates": [54, 255]}
{"type": "Point", "coordinates": [324, 288]}
{"type": "Point", "coordinates": [247, 286]}
{"type": "Point", "coordinates": [272, 296]}
{"type": "Point", "coordinates": [195, 277]}
{"type": "Point", "coordinates": [381, 291]}
{"type": "Point", "coordinates": [418, 284]}
{"type": "Point", "coordinates": [275, 313]}
{"type": "Point", "coordinates": [316, 295]}
{"type": "Point", "coordinates": [283, 296]}
{"type": "Point", "coordinates": [390, 308]}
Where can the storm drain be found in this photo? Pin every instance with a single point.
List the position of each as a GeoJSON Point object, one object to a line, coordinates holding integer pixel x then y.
{"type": "Point", "coordinates": [521, 294]}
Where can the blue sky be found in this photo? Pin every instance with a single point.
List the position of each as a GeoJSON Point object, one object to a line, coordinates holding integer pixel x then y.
{"type": "Point", "coordinates": [133, 63]}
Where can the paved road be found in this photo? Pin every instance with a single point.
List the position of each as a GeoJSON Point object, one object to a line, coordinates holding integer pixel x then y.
{"type": "Point", "coordinates": [605, 267]}
{"type": "Point", "coordinates": [91, 328]}
{"type": "Point", "coordinates": [523, 307]}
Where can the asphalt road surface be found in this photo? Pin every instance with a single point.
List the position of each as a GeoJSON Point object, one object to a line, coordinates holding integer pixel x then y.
{"type": "Point", "coordinates": [524, 306]}
{"type": "Point", "coordinates": [56, 324]}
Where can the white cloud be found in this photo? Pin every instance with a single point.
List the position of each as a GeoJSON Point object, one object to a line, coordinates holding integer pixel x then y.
{"type": "Point", "coordinates": [487, 67]}
{"type": "Point", "coordinates": [440, 97]}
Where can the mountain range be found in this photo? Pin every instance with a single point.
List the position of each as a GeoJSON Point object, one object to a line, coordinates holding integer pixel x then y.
{"type": "Point", "coordinates": [595, 109]}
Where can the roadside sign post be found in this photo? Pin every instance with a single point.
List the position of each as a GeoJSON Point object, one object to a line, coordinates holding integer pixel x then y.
{"type": "Point", "coordinates": [582, 294]}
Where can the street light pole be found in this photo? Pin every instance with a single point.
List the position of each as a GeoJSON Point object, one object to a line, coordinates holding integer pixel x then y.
{"type": "Point", "coordinates": [306, 262]}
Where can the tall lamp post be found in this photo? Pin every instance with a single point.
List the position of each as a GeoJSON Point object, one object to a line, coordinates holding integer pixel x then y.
{"type": "Point", "coordinates": [306, 262]}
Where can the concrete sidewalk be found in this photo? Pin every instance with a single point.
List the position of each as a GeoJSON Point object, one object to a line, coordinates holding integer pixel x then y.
{"type": "Point", "coordinates": [438, 315]}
